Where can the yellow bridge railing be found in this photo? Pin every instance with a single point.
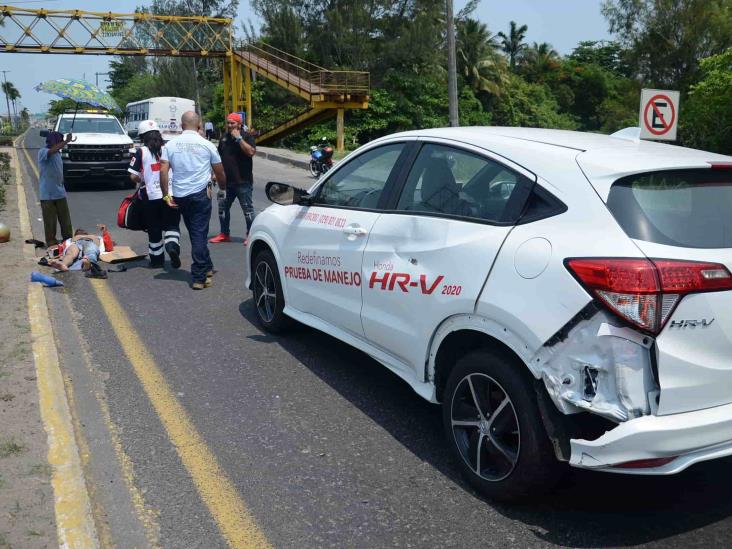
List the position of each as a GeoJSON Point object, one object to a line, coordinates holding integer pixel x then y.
{"type": "Point", "coordinates": [24, 30]}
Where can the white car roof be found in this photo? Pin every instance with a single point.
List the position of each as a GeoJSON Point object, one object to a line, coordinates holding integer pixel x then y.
{"type": "Point", "coordinates": [602, 158]}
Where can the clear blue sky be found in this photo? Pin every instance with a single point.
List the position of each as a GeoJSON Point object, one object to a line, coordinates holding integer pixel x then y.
{"type": "Point", "coordinates": [562, 23]}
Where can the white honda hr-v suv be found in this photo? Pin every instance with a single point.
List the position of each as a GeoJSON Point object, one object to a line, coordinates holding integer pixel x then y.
{"type": "Point", "coordinates": [565, 296]}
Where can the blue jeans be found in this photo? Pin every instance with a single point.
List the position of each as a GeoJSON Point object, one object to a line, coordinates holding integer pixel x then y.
{"type": "Point", "coordinates": [195, 209]}
{"type": "Point", "coordinates": [242, 191]}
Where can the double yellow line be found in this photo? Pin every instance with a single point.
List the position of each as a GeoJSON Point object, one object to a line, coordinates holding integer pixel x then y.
{"type": "Point", "coordinates": [234, 520]}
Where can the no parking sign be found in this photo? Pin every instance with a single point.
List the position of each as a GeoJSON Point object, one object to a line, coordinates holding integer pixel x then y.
{"type": "Point", "coordinates": [659, 114]}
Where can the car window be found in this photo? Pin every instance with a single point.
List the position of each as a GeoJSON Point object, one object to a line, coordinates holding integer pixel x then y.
{"type": "Point", "coordinates": [687, 208]}
{"type": "Point", "coordinates": [450, 181]}
{"type": "Point", "coordinates": [361, 181]}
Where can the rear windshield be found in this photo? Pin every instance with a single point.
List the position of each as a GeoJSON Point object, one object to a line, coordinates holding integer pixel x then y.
{"type": "Point", "coordinates": [90, 125]}
{"type": "Point", "coordinates": [687, 208]}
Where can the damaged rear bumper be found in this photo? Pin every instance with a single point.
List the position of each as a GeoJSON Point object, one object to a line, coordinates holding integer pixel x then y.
{"type": "Point", "coordinates": [690, 437]}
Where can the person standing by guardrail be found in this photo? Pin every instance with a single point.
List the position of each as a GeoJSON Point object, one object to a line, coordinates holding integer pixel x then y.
{"type": "Point", "coordinates": [51, 191]}
{"type": "Point", "coordinates": [237, 149]}
{"type": "Point", "coordinates": [191, 157]}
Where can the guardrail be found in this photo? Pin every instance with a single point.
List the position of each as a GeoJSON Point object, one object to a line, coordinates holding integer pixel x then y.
{"type": "Point", "coordinates": [306, 76]}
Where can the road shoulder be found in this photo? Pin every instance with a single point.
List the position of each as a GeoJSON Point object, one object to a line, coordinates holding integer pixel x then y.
{"type": "Point", "coordinates": [26, 494]}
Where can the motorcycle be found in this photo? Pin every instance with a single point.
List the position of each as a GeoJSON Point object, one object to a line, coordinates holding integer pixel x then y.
{"type": "Point", "coordinates": [321, 159]}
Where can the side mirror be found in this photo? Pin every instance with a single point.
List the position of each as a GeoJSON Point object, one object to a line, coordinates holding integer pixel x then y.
{"type": "Point", "coordinates": [285, 195]}
{"type": "Point", "coordinates": [44, 133]}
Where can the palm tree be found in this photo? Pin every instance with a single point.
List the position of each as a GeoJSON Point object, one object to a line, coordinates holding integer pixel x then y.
{"type": "Point", "coordinates": [538, 61]}
{"type": "Point", "coordinates": [513, 44]}
{"type": "Point", "coordinates": [11, 94]}
{"type": "Point", "coordinates": [478, 59]}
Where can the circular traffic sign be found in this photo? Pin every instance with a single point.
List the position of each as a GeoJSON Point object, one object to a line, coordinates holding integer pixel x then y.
{"type": "Point", "coordinates": [667, 124]}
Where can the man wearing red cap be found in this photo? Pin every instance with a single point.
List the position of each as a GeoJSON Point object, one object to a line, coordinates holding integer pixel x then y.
{"type": "Point", "coordinates": [236, 150]}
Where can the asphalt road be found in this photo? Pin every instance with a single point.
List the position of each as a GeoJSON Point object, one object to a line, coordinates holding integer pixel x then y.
{"type": "Point", "coordinates": [325, 447]}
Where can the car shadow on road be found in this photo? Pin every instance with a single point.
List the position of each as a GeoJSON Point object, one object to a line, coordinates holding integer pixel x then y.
{"type": "Point", "coordinates": [97, 185]}
{"type": "Point", "coordinates": [587, 509]}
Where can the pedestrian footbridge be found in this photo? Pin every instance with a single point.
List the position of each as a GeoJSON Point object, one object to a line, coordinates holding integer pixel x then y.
{"type": "Point", "coordinates": [327, 92]}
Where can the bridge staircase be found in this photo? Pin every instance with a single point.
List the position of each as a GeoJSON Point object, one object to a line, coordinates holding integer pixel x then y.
{"type": "Point", "coordinates": [328, 93]}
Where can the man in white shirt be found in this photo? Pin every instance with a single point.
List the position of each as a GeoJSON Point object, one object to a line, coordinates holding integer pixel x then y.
{"type": "Point", "coordinates": [191, 157]}
{"type": "Point", "coordinates": [209, 127]}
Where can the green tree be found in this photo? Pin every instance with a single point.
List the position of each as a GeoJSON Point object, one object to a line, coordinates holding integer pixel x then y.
{"type": "Point", "coordinates": [606, 54]}
{"type": "Point", "coordinates": [706, 119]}
{"type": "Point", "coordinates": [12, 93]}
{"type": "Point", "coordinates": [531, 105]}
{"type": "Point", "coordinates": [666, 39]}
{"type": "Point", "coordinates": [538, 62]}
{"type": "Point", "coordinates": [60, 106]}
{"type": "Point", "coordinates": [479, 62]}
{"type": "Point", "coordinates": [513, 42]}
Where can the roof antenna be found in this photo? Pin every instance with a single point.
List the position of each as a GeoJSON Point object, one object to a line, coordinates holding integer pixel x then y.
{"type": "Point", "coordinates": [629, 134]}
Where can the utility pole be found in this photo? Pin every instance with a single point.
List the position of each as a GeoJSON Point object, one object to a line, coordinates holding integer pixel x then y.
{"type": "Point", "coordinates": [5, 79]}
{"type": "Point", "coordinates": [451, 68]}
{"type": "Point", "coordinates": [97, 75]}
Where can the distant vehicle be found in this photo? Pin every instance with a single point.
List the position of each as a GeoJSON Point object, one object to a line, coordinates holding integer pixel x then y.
{"type": "Point", "coordinates": [100, 149]}
{"type": "Point", "coordinates": [166, 111]}
{"type": "Point", "coordinates": [321, 158]}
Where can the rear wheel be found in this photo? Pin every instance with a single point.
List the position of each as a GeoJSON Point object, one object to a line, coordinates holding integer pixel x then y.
{"type": "Point", "coordinates": [269, 301]}
{"type": "Point", "coordinates": [314, 169]}
{"type": "Point", "coordinates": [492, 422]}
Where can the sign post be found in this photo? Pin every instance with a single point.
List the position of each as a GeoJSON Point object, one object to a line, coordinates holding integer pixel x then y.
{"type": "Point", "coordinates": [659, 114]}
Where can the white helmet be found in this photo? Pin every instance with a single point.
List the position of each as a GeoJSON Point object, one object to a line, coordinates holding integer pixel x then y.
{"type": "Point", "coordinates": [147, 126]}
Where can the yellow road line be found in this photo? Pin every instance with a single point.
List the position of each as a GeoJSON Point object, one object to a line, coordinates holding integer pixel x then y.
{"type": "Point", "coordinates": [228, 510]}
{"type": "Point", "coordinates": [146, 516]}
{"type": "Point", "coordinates": [235, 522]}
{"type": "Point", "coordinates": [74, 521]}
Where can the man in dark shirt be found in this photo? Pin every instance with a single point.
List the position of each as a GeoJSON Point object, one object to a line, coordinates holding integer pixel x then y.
{"type": "Point", "coordinates": [236, 149]}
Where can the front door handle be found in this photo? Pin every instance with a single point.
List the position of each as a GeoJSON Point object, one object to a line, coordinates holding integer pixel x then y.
{"type": "Point", "coordinates": [355, 230]}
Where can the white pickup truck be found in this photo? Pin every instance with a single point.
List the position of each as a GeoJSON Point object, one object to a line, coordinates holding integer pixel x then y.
{"type": "Point", "coordinates": [100, 149]}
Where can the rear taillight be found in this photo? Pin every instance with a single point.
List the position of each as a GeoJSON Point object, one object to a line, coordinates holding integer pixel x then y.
{"type": "Point", "coordinates": [646, 291]}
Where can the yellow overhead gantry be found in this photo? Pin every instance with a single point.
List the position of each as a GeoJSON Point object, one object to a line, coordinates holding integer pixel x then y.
{"type": "Point", "coordinates": [79, 32]}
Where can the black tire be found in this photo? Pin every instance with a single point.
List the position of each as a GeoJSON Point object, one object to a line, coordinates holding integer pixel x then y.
{"type": "Point", "coordinates": [269, 304]}
{"type": "Point", "coordinates": [516, 456]}
{"type": "Point", "coordinates": [314, 168]}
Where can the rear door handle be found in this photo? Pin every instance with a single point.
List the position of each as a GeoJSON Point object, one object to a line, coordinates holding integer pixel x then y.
{"type": "Point", "coordinates": [355, 230]}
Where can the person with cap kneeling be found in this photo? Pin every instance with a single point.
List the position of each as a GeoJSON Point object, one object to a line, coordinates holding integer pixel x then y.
{"type": "Point", "coordinates": [162, 222]}
{"type": "Point", "coordinates": [51, 191]}
{"type": "Point", "coordinates": [236, 149]}
{"type": "Point", "coordinates": [192, 157]}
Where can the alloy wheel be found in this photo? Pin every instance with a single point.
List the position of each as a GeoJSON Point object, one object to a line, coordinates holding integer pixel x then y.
{"type": "Point", "coordinates": [265, 292]}
{"type": "Point", "coordinates": [485, 427]}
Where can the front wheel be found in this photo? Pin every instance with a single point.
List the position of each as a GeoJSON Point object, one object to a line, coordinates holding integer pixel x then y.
{"type": "Point", "coordinates": [314, 169]}
{"type": "Point", "coordinates": [492, 421]}
{"type": "Point", "coordinates": [269, 301]}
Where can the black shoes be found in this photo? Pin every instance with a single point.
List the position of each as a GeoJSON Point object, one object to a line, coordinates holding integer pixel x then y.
{"type": "Point", "coordinates": [174, 253]}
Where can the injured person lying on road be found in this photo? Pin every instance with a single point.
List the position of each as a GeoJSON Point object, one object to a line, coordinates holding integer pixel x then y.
{"type": "Point", "coordinates": [79, 251]}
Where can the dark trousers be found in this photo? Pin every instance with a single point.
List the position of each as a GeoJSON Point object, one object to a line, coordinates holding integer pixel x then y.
{"type": "Point", "coordinates": [242, 192]}
{"type": "Point", "coordinates": [53, 212]}
{"type": "Point", "coordinates": [195, 209]}
{"type": "Point", "coordinates": [162, 223]}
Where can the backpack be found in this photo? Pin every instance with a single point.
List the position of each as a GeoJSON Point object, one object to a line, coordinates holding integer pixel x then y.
{"type": "Point", "coordinates": [131, 212]}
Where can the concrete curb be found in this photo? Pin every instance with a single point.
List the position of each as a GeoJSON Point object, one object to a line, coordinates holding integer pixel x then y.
{"type": "Point", "coordinates": [281, 158]}
{"type": "Point", "coordinates": [74, 520]}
